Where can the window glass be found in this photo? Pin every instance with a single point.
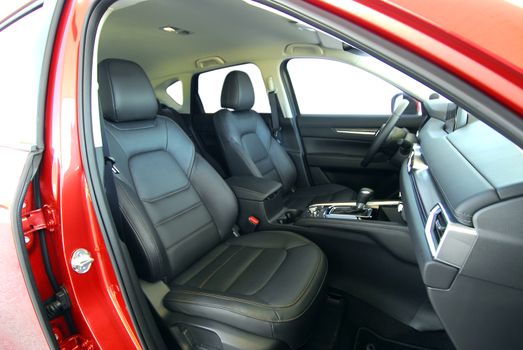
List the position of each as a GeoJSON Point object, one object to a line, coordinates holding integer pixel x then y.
{"type": "Point", "coordinates": [20, 69]}
{"type": "Point", "coordinates": [175, 90]}
{"type": "Point", "coordinates": [210, 88]}
{"type": "Point", "coordinates": [334, 88]}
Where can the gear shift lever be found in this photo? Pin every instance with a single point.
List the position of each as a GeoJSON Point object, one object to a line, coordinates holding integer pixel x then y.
{"type": "Point", "coordinates": [364, 195]}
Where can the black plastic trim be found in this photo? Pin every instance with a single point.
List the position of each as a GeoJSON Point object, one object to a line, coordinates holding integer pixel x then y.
{"type": "Point", "coordinates": [289, 89]}
{"type": "Point", "coordinates": [295, 111]}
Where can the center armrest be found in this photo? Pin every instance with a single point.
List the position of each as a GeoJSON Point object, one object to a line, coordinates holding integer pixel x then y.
{"type": "Point", "coordinates": [257, 197]}
{"type": "Point", "coordinates": [253, 188]}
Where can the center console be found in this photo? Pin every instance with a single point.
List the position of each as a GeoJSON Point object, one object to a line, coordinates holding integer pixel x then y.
{"type": "Point", "coordinates": [262, 204]}
{"type": "Point", "coordinates": [361, 209]}
{"type": "Point", "coordinates": [259, 199]}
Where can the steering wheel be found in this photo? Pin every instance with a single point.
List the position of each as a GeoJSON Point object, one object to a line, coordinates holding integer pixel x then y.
{"type": "Point", "coordinates": [383, 132]}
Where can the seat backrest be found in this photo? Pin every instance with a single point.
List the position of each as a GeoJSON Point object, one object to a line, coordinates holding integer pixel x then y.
{"type": "Point", "coordinates": [184, 122]}
{"type": "Point", "coordinates": [247, 142]}
{"type": "Point", "coordinates": [176, 207]}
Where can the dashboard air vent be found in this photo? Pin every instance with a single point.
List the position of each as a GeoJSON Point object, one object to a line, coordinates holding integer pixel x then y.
{"type": "Point", "coordinates": [440, 225]}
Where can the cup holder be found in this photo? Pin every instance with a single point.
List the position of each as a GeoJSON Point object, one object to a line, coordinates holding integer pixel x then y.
{"type": "Point", "coordinates": [348, 212]}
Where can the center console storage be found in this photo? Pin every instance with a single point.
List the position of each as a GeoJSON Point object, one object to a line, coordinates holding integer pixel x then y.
{"type": "Point", "coordinates": [259, 198]}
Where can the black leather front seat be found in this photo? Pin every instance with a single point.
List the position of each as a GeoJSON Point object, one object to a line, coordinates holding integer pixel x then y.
{"type": "Point", "coordinates": [250, 149]}
{"type": "Point", "coordinates": [179, 215]}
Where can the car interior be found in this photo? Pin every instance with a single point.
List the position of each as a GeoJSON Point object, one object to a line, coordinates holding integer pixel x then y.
{"type": "Point", "coordinates": [279, 188]}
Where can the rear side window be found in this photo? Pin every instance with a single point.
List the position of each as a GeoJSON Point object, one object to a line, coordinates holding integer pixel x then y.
{"type": "Point", "coordinates": [210, 88]}
{"type": "Point", "coordinates": [175, 91]}
{"type": "Point", "coordinates": [326, 87]}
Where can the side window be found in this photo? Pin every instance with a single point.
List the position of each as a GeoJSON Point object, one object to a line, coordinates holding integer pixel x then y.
{"type": "Point", "coordinates": [330, 87]}
{"type": "Point", "coordinates": [210, 88]}
{"type": "Point", "coordinates": [175, 91]}
{"type": "Point", "coordinates": [21, 70]}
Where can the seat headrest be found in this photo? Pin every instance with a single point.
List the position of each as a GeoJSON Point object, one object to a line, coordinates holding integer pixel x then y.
{"type": "Point", "coordinates": [125, 91]}
{"type": "Point", "coordinates": [237, 92]}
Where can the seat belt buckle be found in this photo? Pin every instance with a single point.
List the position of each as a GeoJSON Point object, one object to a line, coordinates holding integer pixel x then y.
{"type": "Point", "coordinates": [252, 224]}
{"type": "Point", "coordinates": [253, 220]}
{"type": "Point", "coordinates": [110, 159]}
{"type": "Point", "coordinates": [236, 231]}
{"type": "Point", "coordinates": [112, 162]}
{"type": "Point", "coordinates": [276, 134]}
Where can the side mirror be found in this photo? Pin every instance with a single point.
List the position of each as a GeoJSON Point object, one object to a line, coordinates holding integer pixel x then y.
{"type": "Point", "coordinates": [414, 107]}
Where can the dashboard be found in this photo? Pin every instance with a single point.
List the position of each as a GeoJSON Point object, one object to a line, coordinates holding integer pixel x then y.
{"type": "Point", "coordinates": [462, 188]}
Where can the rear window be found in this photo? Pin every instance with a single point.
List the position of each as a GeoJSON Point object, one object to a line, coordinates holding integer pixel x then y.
{"type": "Point", "coordinates": [175, 91]}
{"type": "Point", "coordinates": [210, 88]}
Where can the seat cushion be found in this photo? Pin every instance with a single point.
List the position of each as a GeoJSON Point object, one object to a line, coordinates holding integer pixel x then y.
{"type": "Point", "coordinates": [329, 193]}
{"type": "Point", "coordinates": [265, 282]}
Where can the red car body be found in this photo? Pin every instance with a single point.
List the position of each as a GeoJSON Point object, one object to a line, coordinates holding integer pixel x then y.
{"type": "Point", "coordinates": [489, 59]}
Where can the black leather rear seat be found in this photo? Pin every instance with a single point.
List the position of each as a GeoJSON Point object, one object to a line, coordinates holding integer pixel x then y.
{"type": "Point", "coordinates": [179, 215]}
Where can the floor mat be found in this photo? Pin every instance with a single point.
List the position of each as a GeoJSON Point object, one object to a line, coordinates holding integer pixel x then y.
{"type": "Point", "coordinates": [327, 326]}
{"type": "Point", "coordinates": [368, 340]}
{"type": "Point", "coordinates": [361, 315]}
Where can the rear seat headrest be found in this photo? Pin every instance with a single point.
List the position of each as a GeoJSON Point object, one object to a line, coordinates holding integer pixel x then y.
{"type": "Point", "coordinates": [237, 92]}
{"type": "Point", "coordinates": [125, 91]}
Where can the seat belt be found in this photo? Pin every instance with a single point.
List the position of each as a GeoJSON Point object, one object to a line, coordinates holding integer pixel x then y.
{"type": "Point", "coordinates": [275, 117]}
{"type": "Point", "coordinates": [110, 170]}
{"type": "Point", "coordinates": [203, 151]}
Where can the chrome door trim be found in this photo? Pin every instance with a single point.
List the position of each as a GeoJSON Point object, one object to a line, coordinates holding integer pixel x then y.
{"type": "Point", "coordinates": [356, 131]}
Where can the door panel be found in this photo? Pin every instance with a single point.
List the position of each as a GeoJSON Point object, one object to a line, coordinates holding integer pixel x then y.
{"type": "Point", "coordinates": [336, 145]}
{"type": "Point", "coordinates": [339, 107]}
{"type": "Point", "coordinates": [411, 122]}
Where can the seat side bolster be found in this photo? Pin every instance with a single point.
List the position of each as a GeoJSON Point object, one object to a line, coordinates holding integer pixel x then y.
{"type": "Point", "coordinates": [216, 195]}
{"type": "Point", "coordinates": [140, 236]}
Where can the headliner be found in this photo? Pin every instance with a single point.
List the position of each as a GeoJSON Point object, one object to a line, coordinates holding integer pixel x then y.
{"type": "Point", "coordinates": [231, 29]}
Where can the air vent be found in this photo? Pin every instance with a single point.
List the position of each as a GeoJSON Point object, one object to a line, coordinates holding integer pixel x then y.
{"type": "Point", "coordinates": [435, 228]}
{"type": "Point", "coordinates": [449, 242]}
{"type": "Point", "coordinates": [440, 226]}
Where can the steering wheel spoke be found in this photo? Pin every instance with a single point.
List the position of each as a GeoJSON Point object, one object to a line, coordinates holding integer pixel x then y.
{"type": "Point", "coordinates": [383, 132]}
